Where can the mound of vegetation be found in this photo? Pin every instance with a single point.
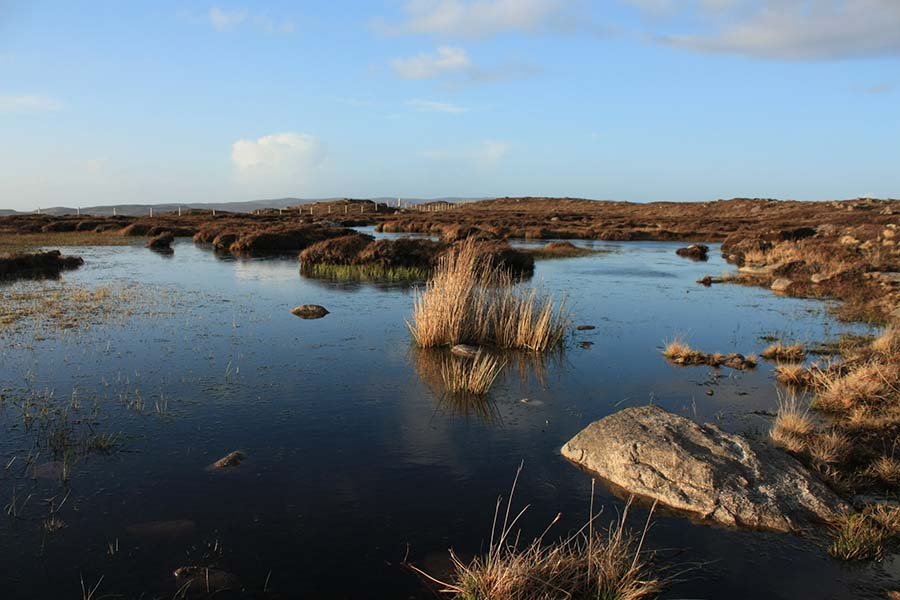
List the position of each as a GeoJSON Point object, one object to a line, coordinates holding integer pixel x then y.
{"type": "Point", "coordinates": [37, 264]}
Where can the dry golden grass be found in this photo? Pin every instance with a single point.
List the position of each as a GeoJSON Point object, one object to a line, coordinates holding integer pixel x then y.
{"type": "Point", "coordinates": [792, 425]}
{"type": "Point", "coordinates": [588, 564]}
{"type": "Point", "coordinates": [792, 375]}
{"type": "Point", "coordinates": [829, 448]}
{"type": "Point", "coordinates": [785, 252]}
{"type": "Point", "coordinates": [781, 352]}
{"type": "Point", "coordinates": [869, 383]}
{"type": "Point", "coordinates": [887, 469]}
{"type": "Point", "coordinates": [755, 257]}
{"type": "Point", "coordinates": [467, 301]}
{"type": "Point", "coordinates": [888, 343]}
{"type": "Point", "coordinates": [473, 376]}
{"type": "Point", "coordinates": [679, 352]}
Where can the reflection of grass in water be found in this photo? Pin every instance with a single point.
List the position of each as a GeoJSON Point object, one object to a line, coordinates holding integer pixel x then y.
{"type": "Point", "coordinates": [364, 272]}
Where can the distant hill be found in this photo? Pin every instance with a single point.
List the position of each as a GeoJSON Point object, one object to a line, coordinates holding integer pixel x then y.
{"type": "Point", "coordinates": [134, 210]}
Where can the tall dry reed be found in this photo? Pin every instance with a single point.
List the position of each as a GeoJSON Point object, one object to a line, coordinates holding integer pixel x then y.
{"type": "Point", "coordinates": [469, 301]}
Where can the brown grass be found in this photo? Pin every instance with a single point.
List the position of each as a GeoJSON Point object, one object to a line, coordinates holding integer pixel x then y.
{"type": "Point", "coordinates": [473, 376]}
{"type": "Point", "coordinates": [587, 564]}
{"type": "Point", "coordinates": [780, 352]}
{"type": "Point", "coordinates": [469, 302]}
{"type": "Point", "coordinates": [793, 375]}
{"type": "Point", "coordinates": [792, 425]}
{"type": "Point", "coordinates": [680, 353]}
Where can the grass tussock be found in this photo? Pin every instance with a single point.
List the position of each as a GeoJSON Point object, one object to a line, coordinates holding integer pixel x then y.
{"type": "Point", "coordinates": [864, 535]}
{"type": "Point", "coordinates": [588, 564]}
{"type": "Point", "coordinates": [468, 301]}
{"type": "Point", "coordinates": [792, 425]}
{"type": "Point", "coordinates": [793, 375]}
{"type": "Point", "coordinates": [785, 353]}
{"type": "Point", "coordinates": [680, 353]}
{"type": "Point", "coordinates": [474, 376]}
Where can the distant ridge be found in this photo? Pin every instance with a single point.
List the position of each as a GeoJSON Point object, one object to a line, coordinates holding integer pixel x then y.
{"type": "Point", "coordinates": [135, 210]}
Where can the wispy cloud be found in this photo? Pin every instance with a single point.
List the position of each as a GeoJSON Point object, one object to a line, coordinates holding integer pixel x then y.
{"type": "Point", "coordinates": [480, 18]}
{"type": "Point", "coordinates": [486, 153]}
{"type": "Point", "coordinates": [787, 29]}
{"type": "Point", "coordinates": [427, 65]}
{"type": "Point", "coordinates": [224, 20]}
{"type": "Point", "coordinates": [433, 106]}
{"type": "Point", "coordinates": [28, 103]}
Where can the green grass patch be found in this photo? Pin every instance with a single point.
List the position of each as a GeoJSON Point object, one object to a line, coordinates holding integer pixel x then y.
{"type": "Point", "coordinates": [372, 272]}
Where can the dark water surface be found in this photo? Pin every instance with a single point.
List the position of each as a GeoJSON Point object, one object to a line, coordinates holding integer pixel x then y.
{"type": "Point", "coordinates": [354, 460]}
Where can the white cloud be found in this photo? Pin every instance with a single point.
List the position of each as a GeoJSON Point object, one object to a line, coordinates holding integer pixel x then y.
{"type": "Point", "coordinates": [793, 29]}
{"type": "Point", "coordinates": [473, 18]}
{"type": "Point", "coordinates": [287, 157]}
{"type": "Point", "coordinates": [223, 20]}
{"type": "Point", "coordinates": [28, 103]}
{"type": "Point", "coordinates": [486, 153]}
{"type": "Point", "coordinates": [432, 106]}
{"type": "Point", "coordinates": [226, 20]}
{"type": "Point", "coordinates": [426, 65]}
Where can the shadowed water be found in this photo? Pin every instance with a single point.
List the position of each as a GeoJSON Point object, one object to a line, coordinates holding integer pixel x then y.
{"type": "Point", "coordinates": [356, 461]}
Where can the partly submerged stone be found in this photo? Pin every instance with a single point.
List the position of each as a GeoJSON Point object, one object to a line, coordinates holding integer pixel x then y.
{"type": "Point", "coordinates": [465, 350]}
{"type": "Point", "coordinates": [309, 311]}
{"type": "Point", "coordinates": [700, 469]}
{"type": "Point", "coordinates": [232, 459]}
{"type": "Point", "coordinates": [694, 251]}
{"type": "Point", "coordinates": [781, 284]}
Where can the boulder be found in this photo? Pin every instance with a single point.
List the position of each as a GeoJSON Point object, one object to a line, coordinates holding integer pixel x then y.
{"type": "Point", "coordinates": [694, 252]}
{"type": "Point", "coordinates": [781, 284]}
{"type": "Point", "coordinates": [309, 311]}
{"type": "Point", "coordinates": [702, 470]}
{"type": "Point", "coordinates": [162, 241]}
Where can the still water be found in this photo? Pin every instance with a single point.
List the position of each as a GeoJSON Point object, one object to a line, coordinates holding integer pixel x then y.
{"type": "Point", "coordinates": [355, 461]}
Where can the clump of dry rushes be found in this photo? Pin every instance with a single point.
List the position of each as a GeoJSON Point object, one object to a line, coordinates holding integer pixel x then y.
{"type": "Point", "coordinates": [792, 424]}
{"type": "Point", "coordinates": [586, 565]}
{"type": "Point", "coordinates": [469, 301]}
{"type": "Point", "coordinates": [782, 353]}
{"type": "Point", "coordinates": [680, 353]}
{"type": "Point", "coordinates": [473, 376]}
{"type": "Point", "coordinates": [793, 375]}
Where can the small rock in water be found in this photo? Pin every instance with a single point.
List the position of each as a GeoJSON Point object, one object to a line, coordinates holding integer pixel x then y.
{"type": "Point", "coordinates": [309, 311]}
{"type": "Point", "coordinates": [694, 251]}
{"type": "Point", "coordinates": [781, 285]}
{"type": "Point", "coordinates": [585, 345]}
{"type": "Point", "coordinates": [232, 459]}
{"type": "Point", "coordinates": [586, 327]}
{"type": "Point", "coordinates": [205, 580]}
{"type": "Point", "coordinates": [165, 529]}
{"type": "Point", "coordinates": [464, 350]}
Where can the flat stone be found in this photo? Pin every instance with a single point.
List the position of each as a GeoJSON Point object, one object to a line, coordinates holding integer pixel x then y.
{"type": "Point", "coordinates": [704, 471]}
{"type": "Point", "coordinates": [232, 459]}
{"type": "Point", "coordinates": [309, 311]}
{"type": "Point", "coordinates": [586, 327]}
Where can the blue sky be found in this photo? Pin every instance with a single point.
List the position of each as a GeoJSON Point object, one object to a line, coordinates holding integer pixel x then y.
{"type": "Point", "coordinates": [114, 102]}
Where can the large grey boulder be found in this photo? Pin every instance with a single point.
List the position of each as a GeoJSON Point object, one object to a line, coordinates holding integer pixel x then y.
{"type": "Point", "coordinates": [700, 469]}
